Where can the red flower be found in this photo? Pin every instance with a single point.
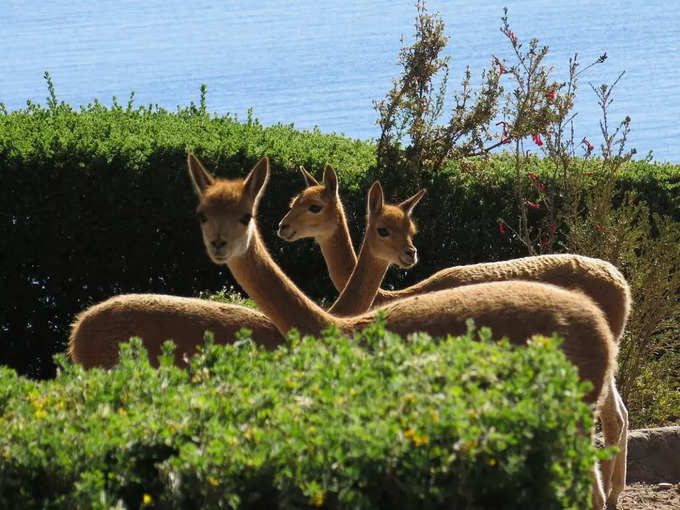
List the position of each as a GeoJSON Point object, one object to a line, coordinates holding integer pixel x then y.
{"type": "Point", "coordinates": [597, 228]}
{"type": "Point", "coordinates": [533, 205]}
{"type": "Point", "coordinates": [501, 228]}
{"type": "Point", "coordinates": [532, 176]}
{"type": "Point", "coordinates": [541, 186]}
{"type": "Point", "coordinates": [589, 174]}
{"type": "Point", "coordinates": [552, 229]}
{"type": "Point", "coordinates": [589, 146]}
{"type": "Point", "coordinates": [512, 36]}
{"type": "Point", "coordinates": [505, 127]}
{"type": "Point", "coordinates": [505, 139]}
{"type": "Point", "coordinates": [551, 94]}
{"type": "Point", "coordinates": [545, 243]}
{"type": "Point", "coordinates": [537, 139]}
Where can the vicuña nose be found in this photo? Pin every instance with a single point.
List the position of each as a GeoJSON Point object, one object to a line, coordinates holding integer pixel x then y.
{"type": "Point", "coordinates": [410, 251]}
{"type": "Point", "coordinates": [218, 244]}
{"type": "Point", "coordinates": [283, 227]}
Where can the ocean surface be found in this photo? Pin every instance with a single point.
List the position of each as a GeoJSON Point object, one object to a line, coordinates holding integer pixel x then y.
{"type": "Point", "coordinates": [323, 63]}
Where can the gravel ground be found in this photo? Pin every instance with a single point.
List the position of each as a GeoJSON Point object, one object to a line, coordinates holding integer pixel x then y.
{"type": "Point", "coordinates": [642, 496]}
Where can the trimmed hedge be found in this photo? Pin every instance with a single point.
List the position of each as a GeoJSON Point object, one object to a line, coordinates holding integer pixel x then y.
{"type": "Point", "coordinates": [364, 422]}
{"type": "Point", "coordinates": [96, 202]}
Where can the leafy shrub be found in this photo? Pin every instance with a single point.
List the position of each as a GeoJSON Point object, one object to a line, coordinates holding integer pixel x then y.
{"type": "Point", "coordinates": [365, 422]}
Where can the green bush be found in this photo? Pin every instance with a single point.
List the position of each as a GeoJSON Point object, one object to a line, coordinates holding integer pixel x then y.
{"type": "Point", "coordinates": [96, 202]}
{"type": "Point", "coordinates": [365, 422]}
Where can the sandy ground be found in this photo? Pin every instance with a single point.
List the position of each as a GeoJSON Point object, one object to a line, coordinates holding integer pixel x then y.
{"type": "Point", "coordinates": [641, 496]}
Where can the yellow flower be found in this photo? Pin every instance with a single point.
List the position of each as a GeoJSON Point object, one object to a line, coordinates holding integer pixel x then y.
{"type": "Point", "coordinates": [233, 441]}
{"type": "Point", "coordinates": [317, 499]}
{"type": "Point", "coordinates": [540, 340]}
{"type": "Point", "coordinates": [492, 462]}
{"type": "Point", "coordinates": [420, 440]}
{"type": "Point", "coordinates": [409, 433]}
{"type": "Point", "coordinates": [435, 415]}
{"type": "Point", "coordinates": [40, 413]}
{"type": "Point", "coordinates": [250, 433]}
{"type": "Point", "coordinates": [146, 499]}
{"type": "Point", "coordinates": [353, 392]}
{"type": "Point", "coordinates": [122, 412]}
{"type": "Point", "coordinates": [311, 429]}
{"type": "Point", "coordinates": [289, 383]}
{"type": "Point", "coordinates": [213, 482]}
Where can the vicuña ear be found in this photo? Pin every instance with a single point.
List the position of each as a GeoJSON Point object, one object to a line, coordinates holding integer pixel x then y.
{"type": "Point", "coordinates": [408, 204]}
{"type": "Point", "coordinates": [330, 180]}
{"type": "Point", "coordinates": [309, 178]}
{"type": "Point", "coordinates": [257, 178]}
{"type": "Point", "coordinates": [375, 198]}
{"type": "Point", "coordinates": [200, 178]}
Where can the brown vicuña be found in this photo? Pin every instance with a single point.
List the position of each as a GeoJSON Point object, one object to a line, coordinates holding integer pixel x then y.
{"type": "Point", "coordinates": [515, 309]}
{"type": "Point", "coordinates": [97, 331]}
{"type": "Point", "coordinates": [317, 212]}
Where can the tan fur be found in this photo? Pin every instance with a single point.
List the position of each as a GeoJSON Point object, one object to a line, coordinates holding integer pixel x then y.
{"type": "Point", "coordinates": [389, 240]}
{"type": "Point", "coordinates": [598, 279]}
{"type": "Point", "coordinates": [308, 224]}
{"type": "Point", "coordinates": [516, 309]}
{"type": "Point", "coordinates": [97, 331]}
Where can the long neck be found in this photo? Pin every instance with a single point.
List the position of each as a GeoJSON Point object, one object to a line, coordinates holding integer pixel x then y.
{"type": "Point", "coordinates": [362, 286]}
{"type": "Point", "coordinates": [338, 252]}
{"type": "Point", "coordinates": [275, 294]}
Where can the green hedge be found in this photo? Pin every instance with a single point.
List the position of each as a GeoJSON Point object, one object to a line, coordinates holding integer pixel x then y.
{"type": "Point", "coordinates": [367, 422]}
{"type": "Point", "coordinates": [96, 202]}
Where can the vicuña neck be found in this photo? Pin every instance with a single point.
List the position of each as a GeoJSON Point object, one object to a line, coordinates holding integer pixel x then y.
{"type": "Point", "coordinates": [275, 294]}
{"type": "Point", "coordinates": [338, 252]}
{"type": "Point", "coordinates": [362, 286]}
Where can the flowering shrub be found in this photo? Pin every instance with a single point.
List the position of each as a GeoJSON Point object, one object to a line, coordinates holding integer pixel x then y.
{"type": "Point", "coordinates": [365, 422]}
{"type": "Point", "coordinates": [563, 194]}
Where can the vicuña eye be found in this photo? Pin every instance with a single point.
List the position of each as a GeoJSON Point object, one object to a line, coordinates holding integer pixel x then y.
{"type": "Point", "coordinates": [201, 217]}
{"type": "Point", "coordinates": [315, 209]}
{"type": "Point", "coordinates": [383, 232]}
{"type": "Point", "coordinates": [245, 219]}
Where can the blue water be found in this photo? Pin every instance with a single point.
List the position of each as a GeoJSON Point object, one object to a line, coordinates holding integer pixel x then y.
{"type": "Point", "coordinates": [322, 63]}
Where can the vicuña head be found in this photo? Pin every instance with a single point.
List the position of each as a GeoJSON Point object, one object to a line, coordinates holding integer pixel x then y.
{"type": "Point", "coordinates": [390, 228]}
{"type": "Point", "coordinates": [313, 213]}
{"type": "Point", "coordinates": [226, 208]}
